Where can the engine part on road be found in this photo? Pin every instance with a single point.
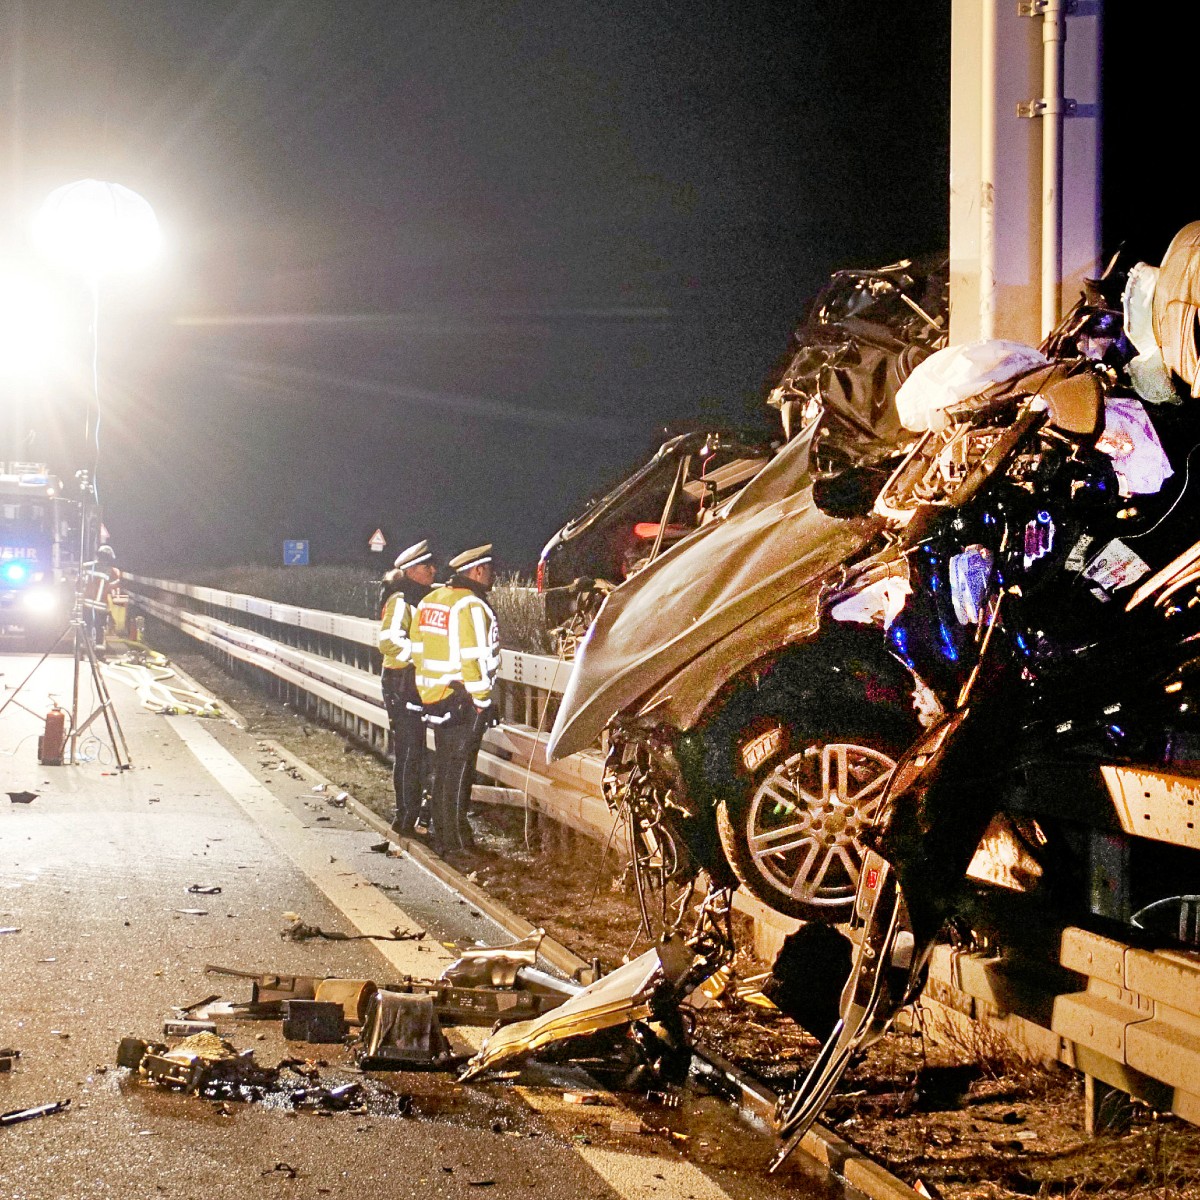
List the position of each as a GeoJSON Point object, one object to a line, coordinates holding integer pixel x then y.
{"type": "Point", "coordinates": [268, 986]}
{"type": "Point", "coordinates": [493, 966]}
{"type": "Point", "coordinates": [352, 995]}
{"type": "Point", "coordinates": [313, 1021]}
{"type": "Point", "coordinates": [402, 1030]}
{"type": "Point", "coordinates": [483, 1005]}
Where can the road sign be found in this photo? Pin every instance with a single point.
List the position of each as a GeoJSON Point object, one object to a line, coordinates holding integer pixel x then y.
{"type": "Point", "coordinates": [377, 541]}
{"type": "Point", "coordinates": [295, 553]}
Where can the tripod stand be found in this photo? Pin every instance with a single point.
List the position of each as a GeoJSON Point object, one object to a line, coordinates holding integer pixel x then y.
{"type": "Point", "coordinates": [84, 649]}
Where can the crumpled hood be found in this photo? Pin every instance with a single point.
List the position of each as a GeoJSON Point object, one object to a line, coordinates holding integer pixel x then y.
{"type": "Point", "coordinates": [771, 542]}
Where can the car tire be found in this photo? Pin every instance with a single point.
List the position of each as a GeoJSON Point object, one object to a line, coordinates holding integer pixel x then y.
{"type": "Point", "coordinates": [791, 833]}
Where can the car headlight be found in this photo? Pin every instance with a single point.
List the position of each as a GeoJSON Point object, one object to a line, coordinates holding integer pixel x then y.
{"type": "Point", "coordinates": [40, 600]}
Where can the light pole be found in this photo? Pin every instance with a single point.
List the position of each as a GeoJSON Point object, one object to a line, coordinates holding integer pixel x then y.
{"type": "Point", "coordinates": [96, 231]}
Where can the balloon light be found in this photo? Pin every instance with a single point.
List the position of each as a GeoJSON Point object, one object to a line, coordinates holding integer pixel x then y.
{"type": "Point", "coordinates": [97, 229]}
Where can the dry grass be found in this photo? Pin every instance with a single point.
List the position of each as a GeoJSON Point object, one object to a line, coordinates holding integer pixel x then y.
{"type": "Point", "coordinates": [350, 590]}
{"type": "Point", "coordinates": [985, 1044]}
{"type": "Point", "coordinates": [521, 614]}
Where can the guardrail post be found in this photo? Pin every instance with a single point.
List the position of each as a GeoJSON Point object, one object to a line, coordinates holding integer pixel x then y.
{"type": "Point", "coordinates": [1106, 1109]}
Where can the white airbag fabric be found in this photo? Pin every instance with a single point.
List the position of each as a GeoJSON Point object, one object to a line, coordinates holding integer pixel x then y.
{"type": "Point", "coordinates": [957, 373]}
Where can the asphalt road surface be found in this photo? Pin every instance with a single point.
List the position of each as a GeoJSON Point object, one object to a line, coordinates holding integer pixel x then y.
{"type": "Point", "coordinates": [94, 879]}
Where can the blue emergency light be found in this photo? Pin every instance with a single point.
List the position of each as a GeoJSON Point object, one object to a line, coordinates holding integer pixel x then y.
{"type": "Point", "coordinates": [16, 572]}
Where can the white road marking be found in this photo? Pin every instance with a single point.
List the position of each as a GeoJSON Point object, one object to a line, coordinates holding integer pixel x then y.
{"type": "Point", "coordinates": [354, 896]}
{"type": "Point", "coordinates": [637, 1177]}
{"type": "Point", "coordinates": [634, 1176]}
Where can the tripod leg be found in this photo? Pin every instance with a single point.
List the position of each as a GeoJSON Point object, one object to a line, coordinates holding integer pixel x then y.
{"type": "Point", "coordinates": [106, 708]}
{"type": "Point", "coordinates": [17, 690]}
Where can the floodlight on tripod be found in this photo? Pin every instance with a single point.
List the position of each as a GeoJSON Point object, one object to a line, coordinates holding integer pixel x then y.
{"type": "Point", "coordinates": [94, 231]}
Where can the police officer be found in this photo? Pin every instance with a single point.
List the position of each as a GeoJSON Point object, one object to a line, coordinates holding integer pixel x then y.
{"type": "Point", "coordinates": [457, 652]}
{"type": "Point", "coordinates": [403, 588]}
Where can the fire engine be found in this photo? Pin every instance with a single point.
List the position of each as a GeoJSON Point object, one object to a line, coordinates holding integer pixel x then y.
{"type": "Point", "coordinates": [39, 554]}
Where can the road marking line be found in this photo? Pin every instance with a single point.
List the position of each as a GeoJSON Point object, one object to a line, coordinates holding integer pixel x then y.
{"type": "Point", "coordinates": [353, 895]}
{"type": "Point", "coordinates": [637, 1177]}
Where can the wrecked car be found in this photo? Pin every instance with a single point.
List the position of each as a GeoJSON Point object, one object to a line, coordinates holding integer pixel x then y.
{"type": "Point", "coordinates": [860, 338]}
{"type": "Point", "coordinates": [623, 530]}
{"type": "Point", "coordinates": [750, 732]}
{"type": "Point", "coordinates": [1076, 728]}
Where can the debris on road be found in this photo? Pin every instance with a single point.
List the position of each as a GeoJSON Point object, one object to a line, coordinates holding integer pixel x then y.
{"type": "Point", "coordinates": [627, 1125]}
{"type": "Point", "coordinates": [402, 1031]}
{"type": "Point", "coordinates": [268, 986]}
{"type": "Point", "coordinates": [313, 1021]}
{"type": "Point", "coordinates": [494, 966]}
{"type": "Point", "coordinates": [300, 931]}
{"type": "Point", "coordinates": [187, 1028]}
{"type": "Point", "coordinates": [203, 1063]}
{"type": "Point", "coordinates": [10, 929]}
{"type": "Point", "coordinates": [193, 912]}
{"type": "Point", "coordinates": [200, 889]}
{"type": "Point", "coordinates": [210, 1067]}
{"type": "Point", "coordinates": [23, 797]}
{"type": "Point", "coordinates": [352, 996]}
{"type": "Point", "coordinates": [18, 1115]}
{"type": "Point", "coordinates": [649, 986]}
{"type": "Point", "coordinates": [185, 1009]}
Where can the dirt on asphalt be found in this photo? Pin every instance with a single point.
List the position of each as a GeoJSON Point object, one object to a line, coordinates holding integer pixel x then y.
{"type": "Point", "coordinates": [967, 1120]}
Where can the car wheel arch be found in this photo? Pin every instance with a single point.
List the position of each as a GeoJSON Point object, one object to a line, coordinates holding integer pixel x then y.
{"type": "Point", "coordinates": [841, 663]}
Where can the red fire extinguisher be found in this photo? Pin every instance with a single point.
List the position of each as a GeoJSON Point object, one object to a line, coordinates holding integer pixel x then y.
{"type": "Point", "coordinates": [53, 739]}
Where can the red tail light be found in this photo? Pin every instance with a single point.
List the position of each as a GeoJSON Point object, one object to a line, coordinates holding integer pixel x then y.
{"type": "Point", "coordinates": [645, 530]}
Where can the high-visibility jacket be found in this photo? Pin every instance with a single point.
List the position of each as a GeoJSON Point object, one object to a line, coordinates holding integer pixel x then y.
{"type": "Point", "coordinates": [396, 628]}
{"type": "Point", "coordinates": [456, 640]}
{"type": "Point", "coordinates": [100, 578]}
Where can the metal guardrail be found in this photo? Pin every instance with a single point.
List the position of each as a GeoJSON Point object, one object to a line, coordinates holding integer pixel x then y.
{"type": "Point", "coordinates": [340, 684]}
{"type": "Point", "coordinates": [1129, 1019]}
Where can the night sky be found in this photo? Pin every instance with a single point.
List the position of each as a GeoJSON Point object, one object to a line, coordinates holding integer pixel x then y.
{"type": "Point", "coordinates": [448, 267]}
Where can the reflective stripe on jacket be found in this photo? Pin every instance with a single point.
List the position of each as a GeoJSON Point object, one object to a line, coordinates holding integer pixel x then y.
{"type": "Point", "coordinates": [396, 632]}
{"type": "Point", "coordinates": [455, 640]}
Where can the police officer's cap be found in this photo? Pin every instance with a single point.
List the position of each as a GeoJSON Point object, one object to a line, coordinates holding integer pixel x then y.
{"type": "Point", "coordinates": [474, 557]}
{"type": "Point", "coordinates": [413, 556]}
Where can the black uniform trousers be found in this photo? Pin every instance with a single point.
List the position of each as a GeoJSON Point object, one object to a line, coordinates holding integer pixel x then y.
{"type": "Point", "coordinates": [408, 744]}
{"type": "Point", "coordinates": [458, 733]}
